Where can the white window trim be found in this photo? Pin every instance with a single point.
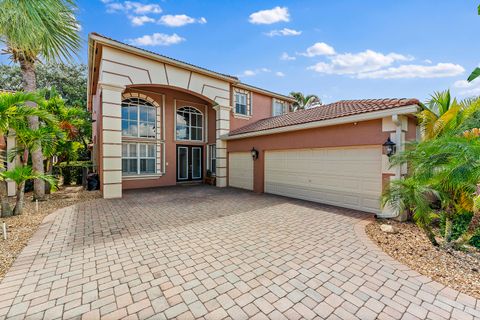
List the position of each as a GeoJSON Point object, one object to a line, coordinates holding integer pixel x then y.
{"type": "Point", "coordinates": [138, 121]}
{"type": "Point", "coordinates": [204, 121]}
{"type": "Point", "coordinates": [285, 107]}
{"type": "Point", "coordinates": [249, 98]}
{"type": "Point", "coordinates": [159, 140]}
{"type": "Point", "coordinates": [138, 158]}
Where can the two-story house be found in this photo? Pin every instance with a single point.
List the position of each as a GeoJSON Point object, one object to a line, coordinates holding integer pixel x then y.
{"type": "Point", "coordinates": [159, 122]}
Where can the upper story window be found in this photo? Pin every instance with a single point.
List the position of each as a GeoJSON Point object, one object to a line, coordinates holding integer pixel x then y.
{"type": "Point", "coordinates": [138, 118]}
{"type": "Point", "coordinates": [242, 102]}
{"type": "Point", "coordinates": [139, 145]}
{"type": "Point", "coordinates": [189, 124]}
{"type": "Point", "coordinates": [279, 107]}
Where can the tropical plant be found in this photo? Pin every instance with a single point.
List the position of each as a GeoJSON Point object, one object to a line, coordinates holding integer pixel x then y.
{"type": "Point", "coordinates": [20, 175]}
{"type": "Point", "coordinates": [33, 30]}
{"type": "Point", "coordinates": [304, 102]}
{"type": "Point", "coordinates": [439, 114]}
{"type": "Point", "coordinates": [443, 178]}
{"type": "Point", "coordinates": [13, 116]}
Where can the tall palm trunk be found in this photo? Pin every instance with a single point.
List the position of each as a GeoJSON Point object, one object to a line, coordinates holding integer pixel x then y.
{"type": "Point", "coordinates": [30, 85]}
{"type": "Point", "coordinates": [20, 199]}
{"type": "Point", "coordinates": [6, 211]}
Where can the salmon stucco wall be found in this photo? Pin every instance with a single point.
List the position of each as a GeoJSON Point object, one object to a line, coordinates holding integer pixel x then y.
{"type": "Point", "coordinates": [261, 109]}
{"type": "Point", "coordinates": [352, 134]}
{"type": "Point", "coordinates": [173, 99]}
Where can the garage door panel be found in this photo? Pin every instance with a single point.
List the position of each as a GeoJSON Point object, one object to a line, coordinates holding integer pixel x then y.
{"type": "Point", "coordinates": [348, 177]}
{"type": "Point", "coordinates": [240, 170]}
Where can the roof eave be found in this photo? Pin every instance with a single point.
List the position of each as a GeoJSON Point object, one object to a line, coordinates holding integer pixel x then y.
{"type": "Point", "coordinates": [116, 44]}
{"type": "Point", "coordinates": [405, 110]}
{"type": "Point", "coordinates": [266, 92]}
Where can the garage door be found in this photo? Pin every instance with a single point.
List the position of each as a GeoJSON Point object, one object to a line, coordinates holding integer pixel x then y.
{"type": "Point", "coordinates": [240, 170]}
{"type": "Point", "coordinates": [345, 177]}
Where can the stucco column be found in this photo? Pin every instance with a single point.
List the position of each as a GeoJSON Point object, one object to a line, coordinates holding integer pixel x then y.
{"type": "Point", "coordinates": [396, 126]}
{"type": "Point", "coordinates": [111, 141]}
{"type": "Point", "coordinates": [222, 128]}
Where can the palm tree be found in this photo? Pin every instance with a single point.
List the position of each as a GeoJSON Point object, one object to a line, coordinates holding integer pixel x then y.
{"type": "Point", "coordinates": [33, 30]}
{"type": "Point", "coordinates": [20, 175]}
{"type": "Point", "coordinates": [442, 115]}
{"type": "Point", "coordinates": [304, 102]}
{"type": "Point", "coordinates": [444, 172]}
{"type": "Point", "coordinates": [13, 115]}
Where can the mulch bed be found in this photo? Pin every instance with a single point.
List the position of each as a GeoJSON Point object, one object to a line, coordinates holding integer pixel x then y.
{"type": "Point", "coordinates": [21, 228]}
{"type": "Point", "coordinates": [456, 269]}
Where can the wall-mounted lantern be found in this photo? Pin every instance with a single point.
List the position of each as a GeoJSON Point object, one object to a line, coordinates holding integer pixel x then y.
{"type": "Point", "coordinates": [389, 147]}
{"type": "Point", "coordinates": [254, 154]}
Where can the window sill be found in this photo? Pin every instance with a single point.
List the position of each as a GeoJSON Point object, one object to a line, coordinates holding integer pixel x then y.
{"type": "Point", "coordinates": [143, 176]}
{"type": "Point", "coordinates": [241, 116]}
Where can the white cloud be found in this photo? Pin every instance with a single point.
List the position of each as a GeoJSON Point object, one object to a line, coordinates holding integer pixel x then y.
{"type": "Point", "coordinates": [319, 49]}
{"type": "Point", "coordinates": [468, 89]}
{"type": "Point", "coordinates": [440, 70]}
{"type": "Point", "coordinates": [156, 39]}
{"type": "Point", "coordinates": [179, 20]}
{"type": "Point", "coordinates": [280, 74]}
{"type": "Point", "coordinates": [132, 7]}
{"type": "Point", "coordinates": [283, 32]}
{"type": "Point", "coordinates": [140, 20]}
{"type": "Point", "coordinates": [356, 63]}
{"type": "Point", "coordinates": [286, 57]}
{"type": "Point", "coordinates": [270, 16]}
{"type": "Point", "coordinates": [249, 73]}
{"type": "Point", "coordinates": [254, 72]}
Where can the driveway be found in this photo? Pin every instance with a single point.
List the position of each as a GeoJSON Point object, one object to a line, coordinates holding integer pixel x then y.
{"type": "Point", "coordinates": [199, 251]}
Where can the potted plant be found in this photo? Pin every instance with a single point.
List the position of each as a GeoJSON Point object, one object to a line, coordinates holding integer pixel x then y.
{"type": "Point", "coordinates": [210, 179]}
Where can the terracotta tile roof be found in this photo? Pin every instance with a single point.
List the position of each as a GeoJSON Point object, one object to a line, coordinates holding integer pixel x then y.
{"type": "Point", "coordinates": [334, 110]}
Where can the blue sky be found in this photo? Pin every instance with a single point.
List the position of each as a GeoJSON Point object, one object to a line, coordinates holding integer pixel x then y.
{"type": "Point", "coordinates": [343, 49]}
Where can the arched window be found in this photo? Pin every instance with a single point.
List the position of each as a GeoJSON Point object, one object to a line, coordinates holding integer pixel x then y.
{"type": "Point", "coordinates": [138, 118]}
{"type": "Point", "coordinates": [189, 124]}
{"type": "Point", "coordinates": [139, 143]}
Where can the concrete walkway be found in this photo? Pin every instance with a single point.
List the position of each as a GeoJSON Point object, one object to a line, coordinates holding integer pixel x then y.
{"type": "Point", "coordinates": [202, 252]}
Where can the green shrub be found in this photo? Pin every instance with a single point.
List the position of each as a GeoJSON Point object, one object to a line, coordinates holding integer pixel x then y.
{"type": "Point", "coordinates": [460, 224]}
{"type": "Point", "coordinates": [72, 171]}
{"type": "Point", "coordinates": [475, 240]}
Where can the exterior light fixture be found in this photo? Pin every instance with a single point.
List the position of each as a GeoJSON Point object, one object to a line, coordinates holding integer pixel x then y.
{"type": "Point", "coordinates": [254, 154]}
{"type": "Point", "coordinates": [389, 147]}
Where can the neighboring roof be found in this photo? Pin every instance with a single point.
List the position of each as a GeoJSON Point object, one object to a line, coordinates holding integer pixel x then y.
{"type": "Point", "coordinates": [233, 79]}
{"type": "Point", "coordinates": [334, 110]}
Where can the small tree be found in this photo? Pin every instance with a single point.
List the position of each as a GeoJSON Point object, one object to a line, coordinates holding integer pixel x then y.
{"type": "Point", "coordinates": [444, 171]}
{"type": "Point", "coordinates": [20, 175]}
{"type": "Point", "coordinates": [13, 116]}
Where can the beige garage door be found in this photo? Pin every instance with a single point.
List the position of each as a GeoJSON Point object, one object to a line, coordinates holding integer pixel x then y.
{"type": "Point", "coordinates": [345, 177]}
{"type": "Point", "coordinates": [240, 170]}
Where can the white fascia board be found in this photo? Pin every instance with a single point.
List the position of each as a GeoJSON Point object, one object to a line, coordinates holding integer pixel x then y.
{"type": "Point", "coordinates": [411, 109]}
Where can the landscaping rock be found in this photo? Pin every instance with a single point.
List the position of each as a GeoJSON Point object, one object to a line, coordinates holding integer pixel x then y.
{"type": "Point", "coordinates": [452, 268]}
{"type": "Point", "coordinates": [388, 228]}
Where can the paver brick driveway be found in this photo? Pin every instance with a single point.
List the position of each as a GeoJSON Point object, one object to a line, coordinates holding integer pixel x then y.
{"type": "Point", "coordinates": [193, 252]}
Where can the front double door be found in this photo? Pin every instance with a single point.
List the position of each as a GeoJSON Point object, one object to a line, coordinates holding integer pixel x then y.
{"type": "Point", "coordinates": [189, 163]}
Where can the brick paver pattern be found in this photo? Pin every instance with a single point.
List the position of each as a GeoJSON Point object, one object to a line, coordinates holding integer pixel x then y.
{"type": "Point", "coordinates": [203, 252]}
